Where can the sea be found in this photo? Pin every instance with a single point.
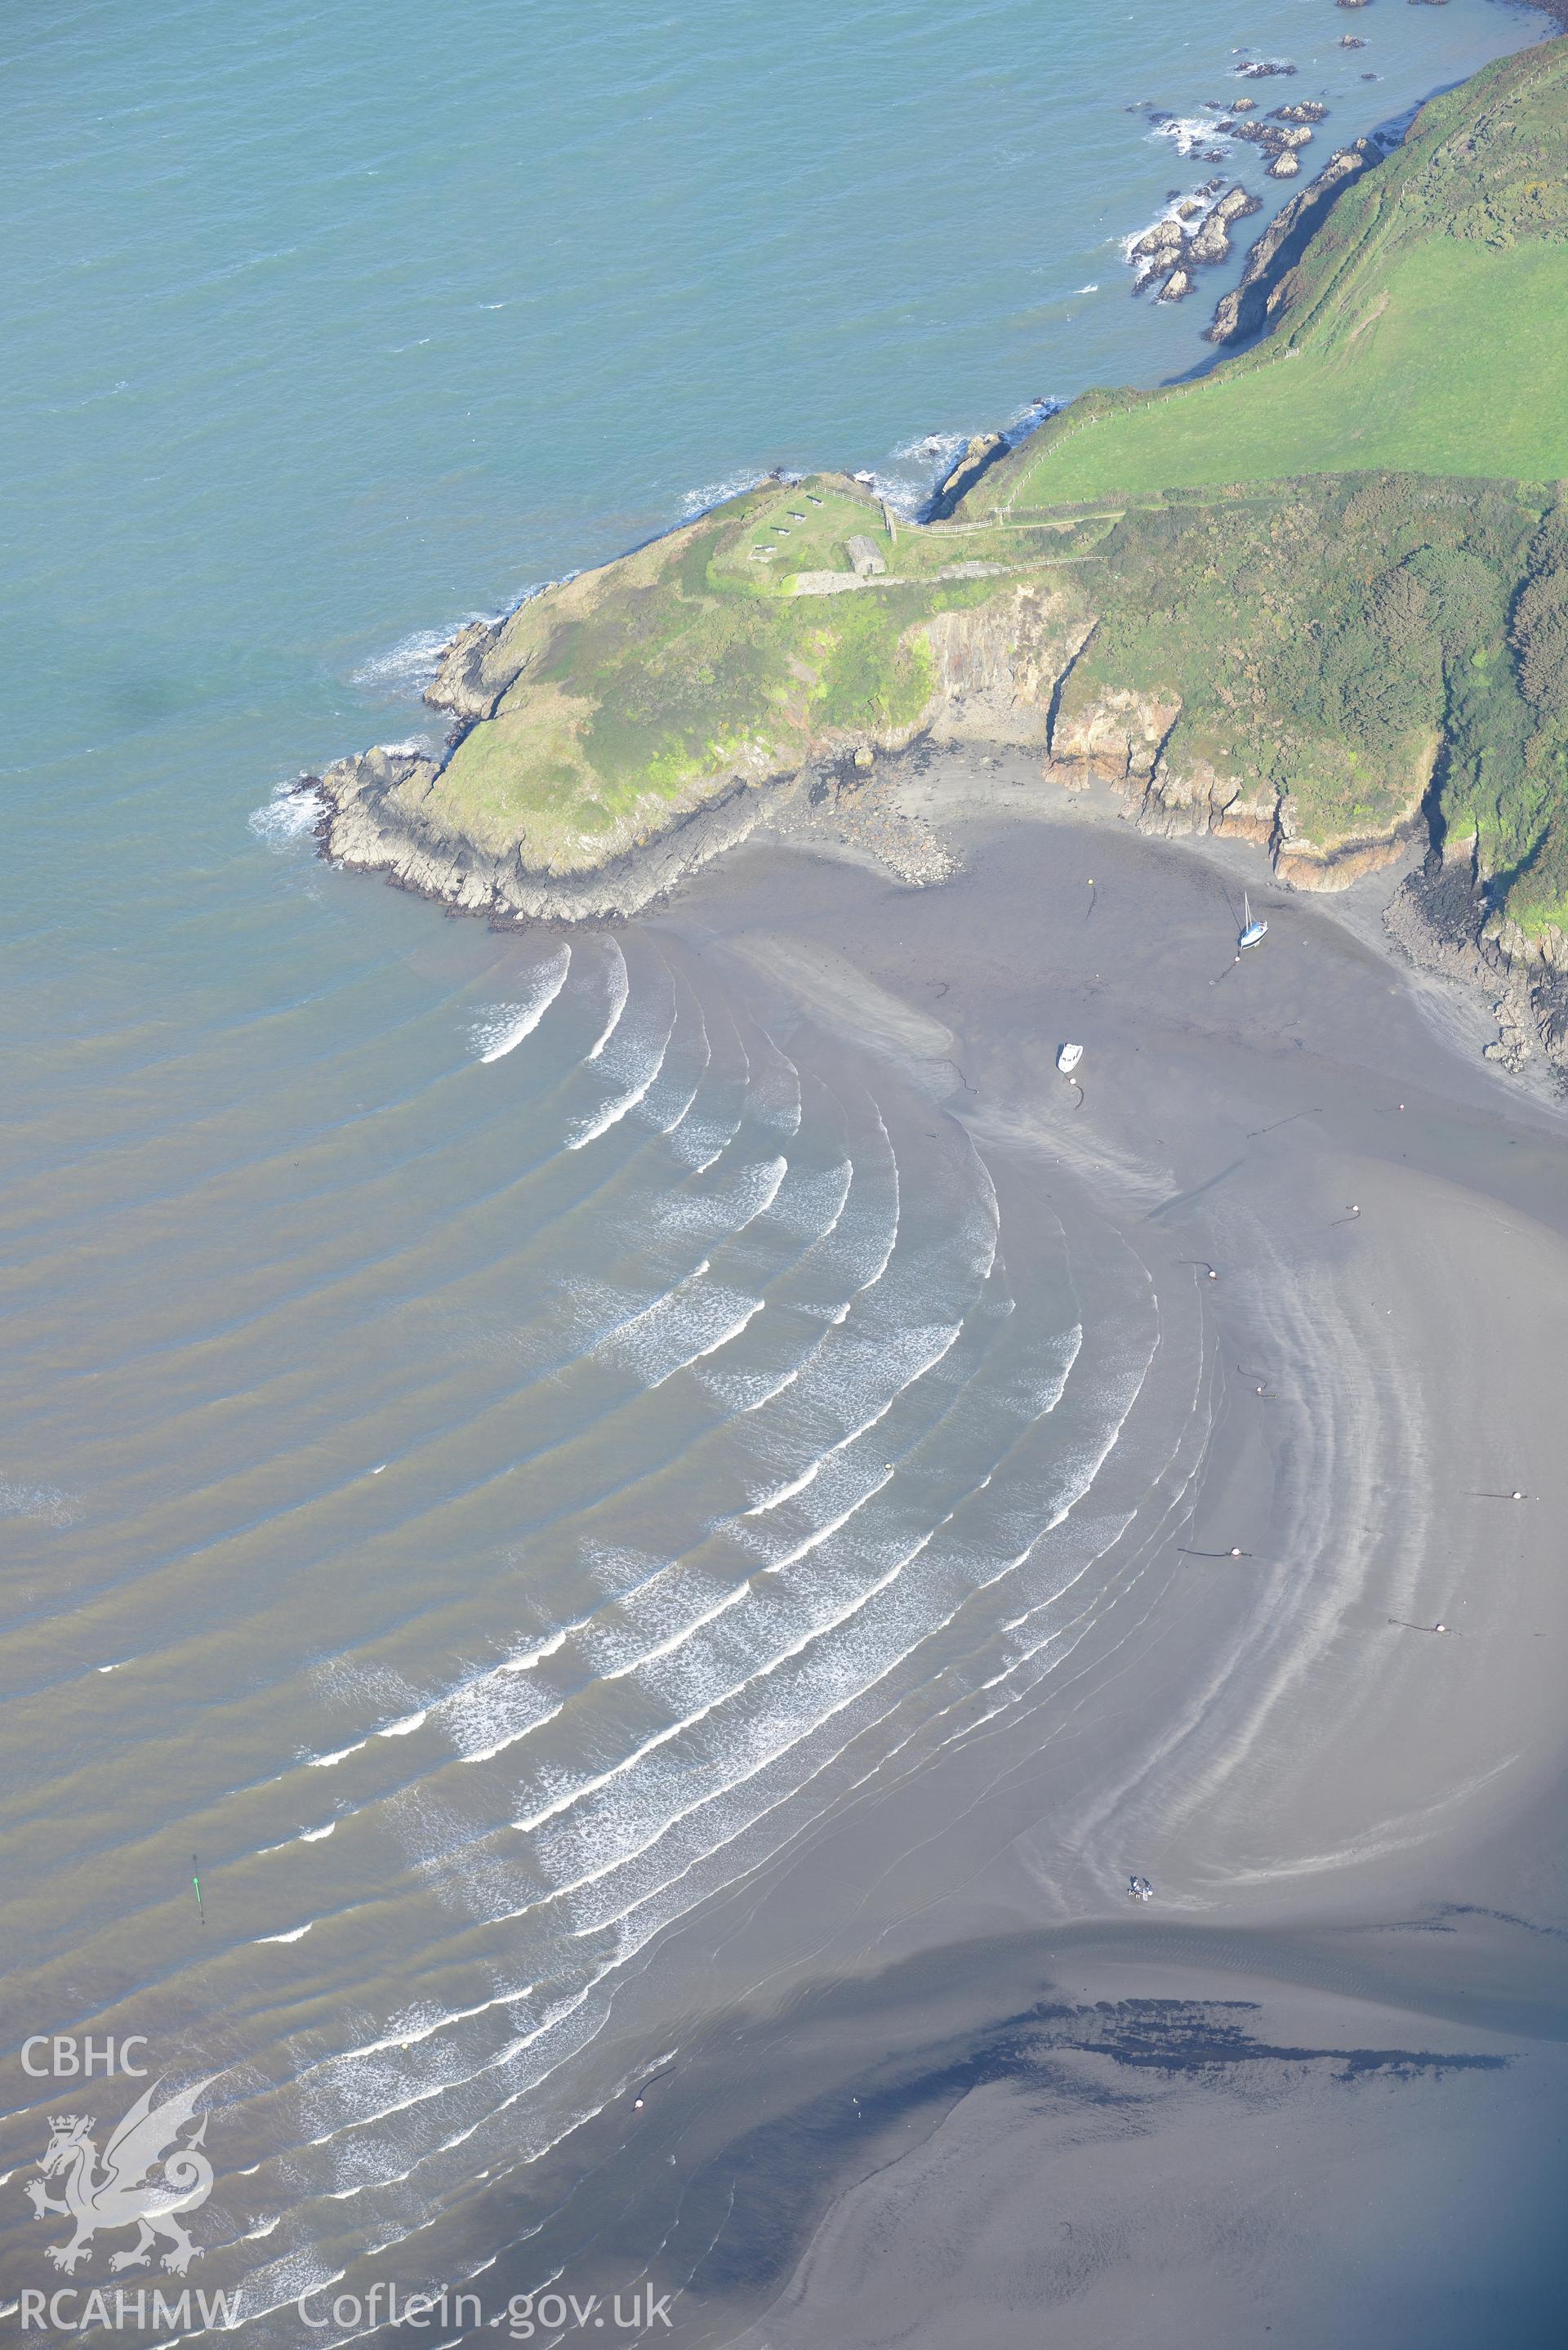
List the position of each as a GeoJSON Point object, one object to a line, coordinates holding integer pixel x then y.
{"type": "Point", "coordinates": [495, 1442]}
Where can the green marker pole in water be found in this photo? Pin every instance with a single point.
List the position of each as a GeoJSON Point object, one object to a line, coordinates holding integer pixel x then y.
{"type": "Point", "coordinates": [196, 1881]}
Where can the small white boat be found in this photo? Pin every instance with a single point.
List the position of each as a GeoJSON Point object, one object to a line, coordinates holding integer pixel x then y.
{"type": "Point", "coordinates": [1251, 932]}
{"type": "Point", "coordinates": [1068, 1058]}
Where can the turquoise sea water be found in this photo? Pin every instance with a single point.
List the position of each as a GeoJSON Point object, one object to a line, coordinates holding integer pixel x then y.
{"type": "Point", "coordinates": [326, 329]}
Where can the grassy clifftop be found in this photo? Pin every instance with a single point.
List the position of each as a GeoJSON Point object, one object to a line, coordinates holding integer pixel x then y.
{"type": "Point", "coordinates": [1320, 595]}
{"type": "Point", "coordinates": [730, 652]}
{"type": "Point", "coordinates": [1426, 328]}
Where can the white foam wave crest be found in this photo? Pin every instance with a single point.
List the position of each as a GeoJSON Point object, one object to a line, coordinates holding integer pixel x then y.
{"type": "Point", "coordinates": [496, 1709]}
{"type": "Point", "coordinates": [1193, 134]}
{"type": "Point", "coordinates": [1025, 1516]}
{"type": "Point", "coordinates": [744, 1791]}
{"type": "Point", "coordinates": [409, 666]}
{"type": "Point", "coordinates": [801, 1710]}
{"type": "Point", "coordinates": [738, 1773]}
{"type": "Point", "coordinates": [665, 1105]}
{"type": "Point", "coordinates": [619, 989]}
{"type": "Point", "coordinates": [845, 1489]}
{"type": "Point", "coordinates": [635, 1058]}
{"type": "Point", "coordinates": [814, 1201]}
{"type": "Point", "coordinates": [555, 2015]}
{"type": "Point", "coordinates": [861, 1485]}
{"type": "Point", "coordinates": [725, 1210]}
{"type": "Point", "coordinates": [567, 1798]}
{"type": "Point", "coordinates": [853, 1251]}
{"type": "Point", "coordinates": [855, 1375]}
{"type": "Point", "coordinates": [1100, 1538]}
{"type": "Point", "coordinates": [503, 1027]}
{"type": "Point", "coordinates": [483, 1720]}
{"type": "Point", "coordinates": [809, 1475]}
{"type": "Point", "coordinates": [905, 1632]}
{"type": "Point", "coordinates": [652, 1904]}
{"type": "Point", "coordinates": [696, 1142]}
{"type": "Point", "coordinates": [292, 814]}
{"type": "Point", "coordinates": [717, 494]}
{"type": "Point", "coordinates": [679, 1330]}
{"type": "Point", "coordinates": [774, 1096]}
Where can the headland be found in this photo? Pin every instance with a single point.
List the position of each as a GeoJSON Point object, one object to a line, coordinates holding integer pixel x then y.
{"type": "Point", "coordinates": [1314, 598]}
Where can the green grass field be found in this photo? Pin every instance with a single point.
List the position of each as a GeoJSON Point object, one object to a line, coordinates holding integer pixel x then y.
{"type": "Point", "coordinates": [1424, 331]}
{"type": "Point", "coordinates": [1450, 359]}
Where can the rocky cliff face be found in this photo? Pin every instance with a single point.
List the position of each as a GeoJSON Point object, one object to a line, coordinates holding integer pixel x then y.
{"type": "Point", "coordinates": [1115, 732]}
{"type": "Point", "coordinates": [1125, 737]}
{"type": "Point", "coordinates": [980, 454]}
{"type": "Point", "coordinates": [1005, 672]}
{"type": "Point", "coordinates": [998, 666]}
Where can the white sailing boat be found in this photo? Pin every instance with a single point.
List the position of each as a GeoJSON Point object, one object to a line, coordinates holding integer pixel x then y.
{"type": "Point", "coordinates": [1251, 932]}
{"type": "Point", "coordinates": [1068, 1058]}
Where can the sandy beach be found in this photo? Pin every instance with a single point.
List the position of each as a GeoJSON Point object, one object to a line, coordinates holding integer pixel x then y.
{"type": "Point", "coordinates": [963, 2089]}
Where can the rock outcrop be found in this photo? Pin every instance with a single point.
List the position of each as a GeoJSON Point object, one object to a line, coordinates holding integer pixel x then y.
{"type": "Point", "coordinates": [473, 674]}
{"type": "Point", "coordinates": [1252, 305]}
{"type": "Point", "coordinates": [980, 454]}
{"type": "Point", "coordinates": [383, 816]}
{"type": "Point", "coordinates": [1194, 234]}
{"type": "Point", "coordinates": [1439, 916]}
{"type": "Point", "coordinates": [1125, 737]}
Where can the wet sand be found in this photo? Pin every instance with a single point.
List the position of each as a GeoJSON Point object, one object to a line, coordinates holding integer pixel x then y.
{"type": "Point", "coordinates": [859, 1933]}
{"type": "Point", "coordinates": [1355, 1235]}
{"type": "Point", "coordinates": [1387, 1225]}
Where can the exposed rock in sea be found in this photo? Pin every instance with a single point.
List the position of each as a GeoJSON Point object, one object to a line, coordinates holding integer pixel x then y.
{"type": "Point", "coordinates": [1212, 242]}
{"type": "Point", "coordinates": [1350, 40]}
{"type": "Point", "coordinates": [1242, 105]}
{"type": "Point", "coordinates": [1252, 304]}
{"type": "Point", "coordinates": [1274, 137]}
{"type": "Point", "coordinates": [1173, 247]}
{"type": "Point", "coordinates": [1304, 109]}
{"type": "Point", "coordinates": [1264, 69]}
{"type": "Point", "coordinates": [1285, 166]}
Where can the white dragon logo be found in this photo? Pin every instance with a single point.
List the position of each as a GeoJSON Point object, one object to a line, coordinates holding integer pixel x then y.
{"type": "Point", "coordinates": [124, 2194]}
